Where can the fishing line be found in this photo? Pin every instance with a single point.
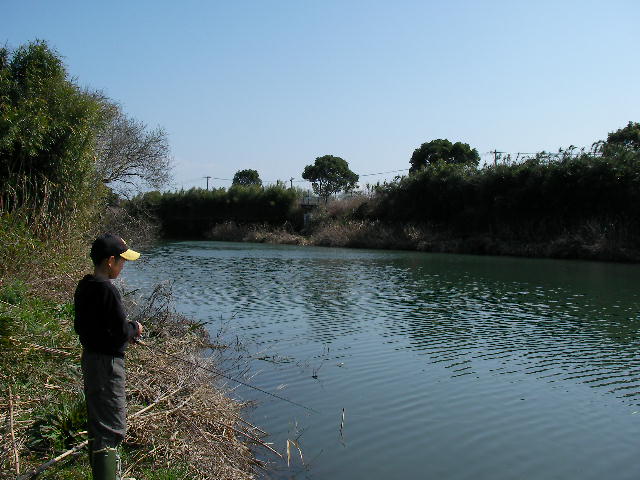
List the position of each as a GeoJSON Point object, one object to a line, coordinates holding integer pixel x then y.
{"type": "Point", "coordinates": [211, 370]}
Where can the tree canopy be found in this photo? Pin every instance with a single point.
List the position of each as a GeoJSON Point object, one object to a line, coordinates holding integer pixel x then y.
{"type": "Point", "coordinates": [442, 150]}
{"type": "Point", "coordinates": [626, 138]}
{"type": "Point", "coordinates": [329, 175]}
{"type": "Point", "coordinates": [247, 177]}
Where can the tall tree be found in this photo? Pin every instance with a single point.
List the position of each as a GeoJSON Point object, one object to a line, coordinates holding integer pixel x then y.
{"type": "Point", "coordinates": [329, 175]}
{"type": "Point", "coordinates": [47, 126]}
{"type": "Point", "coordinates": [442, 150]}
{"type": "Point", "coordinates": [247, 177]}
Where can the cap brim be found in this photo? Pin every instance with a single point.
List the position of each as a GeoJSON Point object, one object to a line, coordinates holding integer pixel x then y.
{"type": "Point", "coordinates": [130, 255]}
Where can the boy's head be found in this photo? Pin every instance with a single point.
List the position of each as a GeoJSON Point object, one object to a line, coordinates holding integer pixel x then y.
{"type": "Point", "coordinates": [108, 245]}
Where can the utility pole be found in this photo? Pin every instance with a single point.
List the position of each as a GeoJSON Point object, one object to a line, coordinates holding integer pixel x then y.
{"type": "Point", "coordinates": [495, 156]}
{"type": "Point", "coordinates": [207, 182]}
{"type": "Point", "coordinates": [291, 180]}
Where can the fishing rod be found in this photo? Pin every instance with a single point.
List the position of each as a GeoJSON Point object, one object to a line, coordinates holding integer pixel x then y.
{"type": "Point", "coordinates": [211, 370]}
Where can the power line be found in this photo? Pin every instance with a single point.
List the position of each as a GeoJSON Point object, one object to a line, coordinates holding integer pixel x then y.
{"type": "Point", "coordinates": [383, 173]}
{"type": "Point", "coordinates": [293, 180]}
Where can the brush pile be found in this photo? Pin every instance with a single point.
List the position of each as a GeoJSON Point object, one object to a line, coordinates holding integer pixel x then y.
{"type": "Point", "coordinates": [179, 417]}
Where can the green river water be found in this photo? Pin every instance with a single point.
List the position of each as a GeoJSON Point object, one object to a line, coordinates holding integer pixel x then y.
{"type": "Point", "coordinates": [446, 366]}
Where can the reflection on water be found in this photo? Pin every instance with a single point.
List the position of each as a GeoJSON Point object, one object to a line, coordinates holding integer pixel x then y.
{"type": "Point", "coordinates": [448, 366]}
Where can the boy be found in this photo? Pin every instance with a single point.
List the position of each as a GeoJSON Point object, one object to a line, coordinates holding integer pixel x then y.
{"type": "Point", "coordinates": [101, 323]}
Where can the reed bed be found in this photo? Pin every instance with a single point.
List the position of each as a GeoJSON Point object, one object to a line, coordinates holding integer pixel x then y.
{"type": "Point", "coordinates": [43, 229]}
{"type": "Point", "coordinates": [257, 233]}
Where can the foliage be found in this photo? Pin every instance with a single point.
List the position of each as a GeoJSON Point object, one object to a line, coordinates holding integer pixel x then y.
{"type": "Point", "coordinates": [46, 124]}
{"type": "Point", "coordinates": [624, 138]}
{"type": "Point", "coordinates": [191, 213]}
{"type": "Point", "coordinates": [330, 175]}
{"type": "Point", "coordinates": [443, 151]}
{"type": "Point", "coordinates": [129, 155]}
{"type": "Point", "coordinates": [56, 425]}
{"type": "Point", "coordinates": [41, 236]}
{"type": "Point", "coordinates": [247, 177]}
{"type": "Point", "coordinates": [49, 196]}
{"type": "Point", "coordinates": [540, 195]}
{"type": "Point", "coordinates": [13, 293]}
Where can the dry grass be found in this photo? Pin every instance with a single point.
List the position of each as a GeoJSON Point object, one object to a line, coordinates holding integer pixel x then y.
{"type": "Point", "coordinates": [344, 207]}
{"type": "Point", "coordinates": [279, 236]}
{"type": "Point", "coordinates": [191, 422]}
{"type": "Point", "coordinates": [257, 233]}
{"type": "Point", "coordinates": [44, 236]}
{"type": "Point", "coordinates": [370, 234]}
{"type": "Point", "coordinates": [590, 241]}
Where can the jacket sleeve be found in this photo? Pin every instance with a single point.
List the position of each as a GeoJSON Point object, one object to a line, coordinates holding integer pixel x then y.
{"type": "Point", "coordinates": [119, 329]}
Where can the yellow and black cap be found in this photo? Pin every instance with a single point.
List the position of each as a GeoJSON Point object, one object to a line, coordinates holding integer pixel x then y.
{"type": "Point", "coordinates": [108, 245]}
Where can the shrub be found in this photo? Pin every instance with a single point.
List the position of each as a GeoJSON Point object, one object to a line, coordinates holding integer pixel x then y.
{"type": "Point", "coordinates": [56, 426]}
{"type": "Point", "coordinates": [540, 195]}
{"type": "Point", "coordinates": [194, 212]}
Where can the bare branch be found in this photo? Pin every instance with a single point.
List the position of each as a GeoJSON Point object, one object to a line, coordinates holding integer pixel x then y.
{"type": "Point", "coordinates": [128, 148]}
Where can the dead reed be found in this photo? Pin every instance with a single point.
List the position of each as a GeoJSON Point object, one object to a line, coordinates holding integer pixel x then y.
{"type": "Point", "coordinates": [256, 233]}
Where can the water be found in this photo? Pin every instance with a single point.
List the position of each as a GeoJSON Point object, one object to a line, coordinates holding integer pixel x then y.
{"type": "Point", "coordinates": [446, 366]}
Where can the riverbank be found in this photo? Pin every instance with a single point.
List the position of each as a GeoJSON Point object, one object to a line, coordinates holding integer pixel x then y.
{"type": "Point", "coordinates": [182, 422]}
{"type": "Point", "coordinates": [592, 241]}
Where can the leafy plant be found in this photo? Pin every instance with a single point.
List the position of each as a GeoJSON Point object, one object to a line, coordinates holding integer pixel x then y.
{"type": "Point", "coordinates": [13, 293]}
{"type": "Point", "coordinates": [56, 426]}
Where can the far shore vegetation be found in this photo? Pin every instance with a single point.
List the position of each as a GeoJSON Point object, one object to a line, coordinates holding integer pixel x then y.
{"type": "Point", "coordinates": [574, 203]}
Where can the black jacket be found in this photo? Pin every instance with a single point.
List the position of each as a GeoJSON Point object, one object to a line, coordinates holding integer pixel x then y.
{"type": "Point", "coordinates": [100, 319]}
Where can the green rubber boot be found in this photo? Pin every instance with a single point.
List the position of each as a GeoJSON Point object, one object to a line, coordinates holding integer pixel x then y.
{"type": "Point", "coordinates": [104, 464]}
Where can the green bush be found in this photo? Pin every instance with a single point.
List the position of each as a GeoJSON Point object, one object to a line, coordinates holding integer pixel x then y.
{"type": "Point", "coordinates": [47, 127]}
{"type": "Point", "coordinates": [540, 195]}
{"type": "Point", "coordinates": [192, 213]}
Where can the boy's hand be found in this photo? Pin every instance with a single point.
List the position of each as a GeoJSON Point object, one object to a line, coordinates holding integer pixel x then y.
{"type": "Point", "coordinates": [138, 334]}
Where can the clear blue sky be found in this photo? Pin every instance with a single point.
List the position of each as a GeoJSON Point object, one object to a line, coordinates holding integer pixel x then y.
{"type": "Point", "coordinates": [271, 85]}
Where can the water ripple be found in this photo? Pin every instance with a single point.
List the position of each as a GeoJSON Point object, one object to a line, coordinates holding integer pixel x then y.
{"type": "Point", "coordinates": [425, 347]}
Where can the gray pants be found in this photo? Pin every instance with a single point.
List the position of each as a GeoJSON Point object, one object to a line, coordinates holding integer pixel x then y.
{"type": "Point", "coordinates": [104, 379]}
